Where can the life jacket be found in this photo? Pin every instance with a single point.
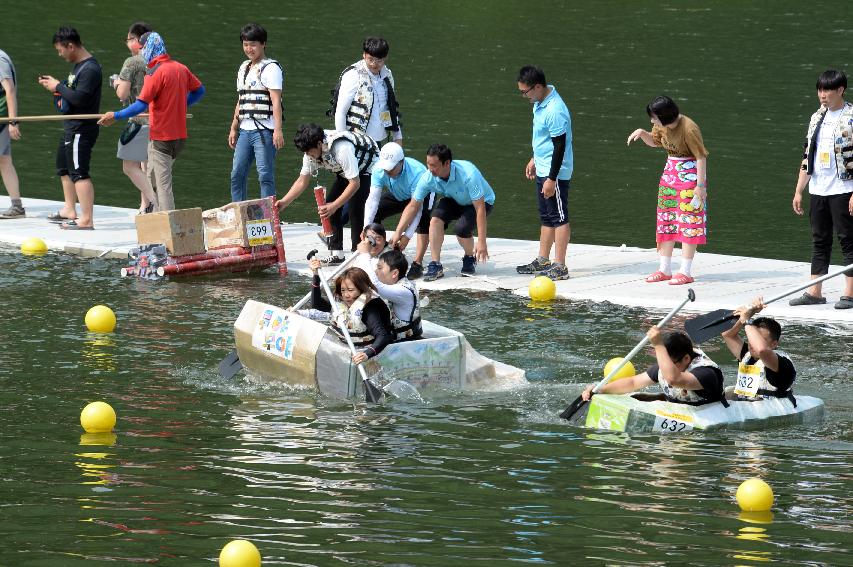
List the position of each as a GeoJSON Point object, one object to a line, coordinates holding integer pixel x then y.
{"type": "Point", "coordinates": [842, 142]}
{"type": "Point", "coordinates": [359, 112]}
{"type": "Point", "coordinates": [411, 329]}
{"type": "Point", "coordinates": [366, 150]}
{"type": "Point", "coordinates": [350, 317]}
{"type": "Point", "coordinates": [752, 381]}
{"type": "Point", "coordinates": [691, 397]}
{"type": "Point", "coordinates": [254, 99]}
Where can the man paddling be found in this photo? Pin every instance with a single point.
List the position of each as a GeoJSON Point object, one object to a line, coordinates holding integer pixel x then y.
{"type": "Point", "coordinates": [763, 370]}
{"type": "Point", "coordinates": [685, 374]}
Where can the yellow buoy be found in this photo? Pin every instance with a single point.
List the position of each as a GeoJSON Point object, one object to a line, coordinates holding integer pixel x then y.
{"type": "Point", "coordinates": [754, 495]}
{"type": "Point", "coordinates": [240, 553]}
{"type": "Point", "coordinates": [542, 288]}
{"type": "Point", "coordinates": [33, 246]}
{"type": "Point", "coordinates": [100, 319]}
{"type": "Point", "coordinates": [625, 372]}
{"type": "Point", "coordinates": [98, 417]}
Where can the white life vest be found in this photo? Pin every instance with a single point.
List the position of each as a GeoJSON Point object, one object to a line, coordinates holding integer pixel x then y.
{"type": "Point", "coordinates": [361, 108]}
{"type": "Point", "coordinates": [411, 329]}
{"type": "Point", "coordinates": [350, 317]}
{"type": "Point", "coordinates": [689, 396]}
{"type": "Point", "coordinates": [366, 150]}
{"type": "Point", "coordinates": [254, 101]}
{"type": "Point", "coordinates": [752, 381]}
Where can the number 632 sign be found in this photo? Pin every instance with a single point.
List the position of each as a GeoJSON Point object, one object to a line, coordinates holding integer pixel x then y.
{"type": "Point", "coordinates": [672, 423]}
{"type": "Point", "coordinates": [259, 232]}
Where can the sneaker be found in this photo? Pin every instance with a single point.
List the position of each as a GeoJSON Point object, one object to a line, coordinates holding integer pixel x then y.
{"type": "Point", "coordinates": [416, 270]}
{"type": "Point", "coordinates": [468, 263]}
{"type": "Point", "coordinates": [332, 260]}
{"type": "Point", "coordinates": [556, 272]}
{"type": "Point", "coordinates": [540, 264]}
{"type": "Point", "coordinates": [434, 271]}
{"type": "Point", "coordinates": [13, 213]}
{"type": "Point", "coordinates": [807, 299]}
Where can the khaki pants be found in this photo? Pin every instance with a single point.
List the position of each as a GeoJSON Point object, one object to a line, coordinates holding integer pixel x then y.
{"type": "Point", "coordinates": [161, 155]}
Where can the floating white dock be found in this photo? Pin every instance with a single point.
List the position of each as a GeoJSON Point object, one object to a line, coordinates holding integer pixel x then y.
{"type": "Point", "coordinates": [598, 273]}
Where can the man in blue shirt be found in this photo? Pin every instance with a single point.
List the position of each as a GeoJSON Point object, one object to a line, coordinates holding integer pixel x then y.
{"type": "Point", "coordinates": [551, 166]}
{"type": "Point", "coordinates": [399, 175]}
{"type": "Point", "coordinates": [465, 197]}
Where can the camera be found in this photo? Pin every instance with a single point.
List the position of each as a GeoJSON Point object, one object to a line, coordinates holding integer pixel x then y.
{"type": "Point", "coordinates": [371, 239]}
{"type": "Point", "coordinates": [113, 79]}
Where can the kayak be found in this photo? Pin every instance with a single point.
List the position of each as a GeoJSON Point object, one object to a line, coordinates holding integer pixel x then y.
{"type": "Point", "coordinates": [275, 344]}
{"type": "Point", "coordinates": [646, 413]}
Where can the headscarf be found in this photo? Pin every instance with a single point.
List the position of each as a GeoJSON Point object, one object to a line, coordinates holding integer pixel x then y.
{"type": "Point", "coordinates": [152, 46]}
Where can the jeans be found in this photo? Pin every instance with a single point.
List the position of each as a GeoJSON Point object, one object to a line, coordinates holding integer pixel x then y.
{"type": "Point", "coordinates": [257, 146]}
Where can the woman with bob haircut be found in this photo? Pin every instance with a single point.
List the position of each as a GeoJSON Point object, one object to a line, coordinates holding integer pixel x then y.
{"type": "Point", "coordinates": [683, 187]}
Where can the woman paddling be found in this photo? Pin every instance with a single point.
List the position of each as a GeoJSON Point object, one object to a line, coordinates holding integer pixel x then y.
{"type": "Point", "coordinates": [360, 308]}
{"type": "Point", "coordinates": [682, 190]}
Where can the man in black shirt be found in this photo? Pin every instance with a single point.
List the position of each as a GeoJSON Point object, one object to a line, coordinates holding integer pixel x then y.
{"type": "Point", "coordinates": [80, 93]}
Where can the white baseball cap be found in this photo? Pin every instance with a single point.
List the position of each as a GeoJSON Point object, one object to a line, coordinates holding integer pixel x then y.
{"type": "Point", "coordinates": [390, 156]}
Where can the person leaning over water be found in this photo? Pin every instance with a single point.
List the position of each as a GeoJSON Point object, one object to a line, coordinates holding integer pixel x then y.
{"type": "Point", "coordinates": [360, 310]}
{"type": "Point", "coordinates": [466, 197]}
{"type": "Point", "coordinates": [763, 370]}
{"type": "Point", "coordinates": [684, 373]}
{"type": "Point", "coordinates": [827, 168]}
{"type": "Point", "coordinates": [8, 132]}
{"type": "Point", "coordinates": [80, 93]}
{"type": "Point", "coordinates": [256, 132]}
{"type": "Point", "coordinates": [682, 191]}
{"type": "Point", "coordinates": [168, 90]}
{"type": "Point", "coordinates": [133, 142]}
{"type": "Point", "coordinates": [551, 167]}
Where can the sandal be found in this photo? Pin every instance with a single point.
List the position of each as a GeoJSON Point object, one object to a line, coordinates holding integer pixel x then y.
{"type": "Point", "coordinates": [658, 277]}
{"type": "Point", "coordinates": [58, 218]}
{"type": "Point", "coordinates": [681, 279]}
{"type": "Point", "coordinates": [845, 302]}
{"type": "Point", "coordinates": [72, 225]}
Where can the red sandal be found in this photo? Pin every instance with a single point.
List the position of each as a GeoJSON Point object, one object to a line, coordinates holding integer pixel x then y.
{"type": "Point", "coordinates": [658, 277]}
{"type": "Point", "coordinates": [681, 279]}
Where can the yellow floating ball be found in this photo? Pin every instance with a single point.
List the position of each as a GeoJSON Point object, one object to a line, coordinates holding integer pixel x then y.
{"type": "Point", "coordinates": [33, 246]}
{"type": "Point", "coordinates": [240, 553]}
{"type": "Point", "coordinates": [625, 372]}
{"type": "Point", "coordinates": [100, 319]}
{"type": "Point", "coordinates": [754, 495]}
{"type": "Point", "coordinates": [542, 288]}
{"type": "Point", "coordinates": [98, 417]}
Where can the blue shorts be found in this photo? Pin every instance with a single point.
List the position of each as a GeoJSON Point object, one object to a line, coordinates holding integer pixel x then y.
{"type": "Point", "coordinates": [554, 212]}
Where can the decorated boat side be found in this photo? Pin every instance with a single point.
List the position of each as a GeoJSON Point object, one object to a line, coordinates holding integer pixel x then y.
{"type": "Point", "coordinates": [642, 413]}
{"type": "Point", "coordinates": [281, 345]}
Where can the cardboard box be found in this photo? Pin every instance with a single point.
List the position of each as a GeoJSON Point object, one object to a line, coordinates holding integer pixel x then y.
{"type": "Point", "coordinates": [181, 231]}
{"type": "Point", "coordinates": [245, 223]}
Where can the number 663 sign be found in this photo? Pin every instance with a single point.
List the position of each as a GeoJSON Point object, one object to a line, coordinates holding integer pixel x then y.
{"type": "Point", "coordinates": [259, 232]}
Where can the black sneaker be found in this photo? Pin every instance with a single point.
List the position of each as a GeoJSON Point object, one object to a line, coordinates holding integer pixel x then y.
{"type": "Point", "coordinates": [556, 272]}
{"type": "Point", "coordinates": [416, 270]}
{"type": "Point", "coordinates": [540, 264]}
{"type": "Point", "coordinates": [332, 260]}
{"type": "Point", "coordinates": [13, 213]}
{"type": "Point", "coordinates": [468, 263]}
{"type": "Point", "coordinates": [434, 271]}
{"type": "Point", "coordinates": [807, 299]}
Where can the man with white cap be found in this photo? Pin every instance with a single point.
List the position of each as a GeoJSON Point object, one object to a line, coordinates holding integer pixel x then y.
{"type": "Point", "coordinates": [399, 175]}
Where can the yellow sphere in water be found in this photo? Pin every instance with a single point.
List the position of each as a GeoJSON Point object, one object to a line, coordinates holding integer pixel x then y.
{"type": "Point", "coordinates": [625, 372]}
{"type": "Point", "coordinates": [754, 495]}
{"type": "Point", "coordinates": [542, 288]}
{"type": "Point", "coordinates": [240, 553]}
{"type": "Point", "coordinates": [98, 417]}
{"type": "Point", "coordinates": [100, 319]}
{"type": "Point", "coordinates": [33, 246]}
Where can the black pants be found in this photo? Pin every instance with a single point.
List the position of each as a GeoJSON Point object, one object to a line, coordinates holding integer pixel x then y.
{"type": "Point", "coordinates": [390, 206]}
{"type": "Point", "coordinates": [827, 215]}
{"type": "Point", "coordinates": [356, 211]}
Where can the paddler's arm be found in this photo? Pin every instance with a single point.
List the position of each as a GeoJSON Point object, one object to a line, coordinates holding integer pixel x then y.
{"type": "Point", "coordinates": [667, 370]}
{"type": "Point", "coordinates": [377, 319]}
{"type": "Point", "coordinates": [621, 386]}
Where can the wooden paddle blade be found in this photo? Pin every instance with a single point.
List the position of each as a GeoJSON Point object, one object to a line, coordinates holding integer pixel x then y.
{"type": "Point", "coordinates": [372, 393]}
{"type": "Point", "coordinates": [573, 409]}
{"type": "Point", "coordinates": [709, 325]}
{"type": "Point", "coordinates": [230, 365]}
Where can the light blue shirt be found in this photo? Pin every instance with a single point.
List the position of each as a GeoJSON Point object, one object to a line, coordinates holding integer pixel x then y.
{"type": "Point", "coordinates": [551, 118]}
{"type": "Point", "coordinates": [401, 186]}
{"type": "Point", "coordinates": [464, 185]}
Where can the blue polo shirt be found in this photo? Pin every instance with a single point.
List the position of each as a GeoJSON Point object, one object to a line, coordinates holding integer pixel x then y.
{"type": "Point", "coordinates": [551, 118]}
{"type": "Point", "coordinates": [464, 185]}
{"type": "Point", "coordinates": [401, 186]}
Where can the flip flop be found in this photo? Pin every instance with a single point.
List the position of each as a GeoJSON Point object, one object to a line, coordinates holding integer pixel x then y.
{"type": "Point", "coordinates": [72, 225]}
{"type": "Point", "coordinates": [58, 218]}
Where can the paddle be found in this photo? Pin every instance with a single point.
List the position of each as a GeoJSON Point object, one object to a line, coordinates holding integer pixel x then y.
{"type": "Point", "coordinates": [709, 325]}
{"type": "Point", "coordinates": [58, 117]}
{"type": "Point", "coordinates": [579, 402]}
{"type": "Point", "coordinates": [231, 365]}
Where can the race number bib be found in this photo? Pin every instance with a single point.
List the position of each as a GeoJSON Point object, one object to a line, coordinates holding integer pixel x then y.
{"type": "Point", "coordinates": [259, 232]}
{"type": "Point", "coordinates": [667, 422]}
{"type": "Point", "coordinates": [385, 118]}
{"type": "Point", "coordinates": [823, 160]}
{"type": "Point", "coordinates": [748, 378]}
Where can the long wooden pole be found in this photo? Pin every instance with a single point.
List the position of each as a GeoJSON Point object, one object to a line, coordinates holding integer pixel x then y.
{"type": "Point", "coordinates": [57, 117]}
